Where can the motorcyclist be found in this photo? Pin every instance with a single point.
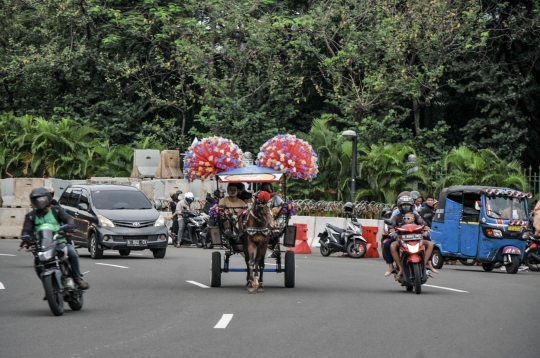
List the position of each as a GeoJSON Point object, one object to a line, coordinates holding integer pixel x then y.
{"type": "Point", "coordinates": [396, 210]}
{"type": "Point", "coordinates": [183, 205]}
{"type": "Point", "coordinates": [212, 199]}
{"type": "Point", "coordinates": [405, 205]}
{"type": "Point", "coordinates": [51, 191]}
{"type": "Point", "coordinates": [45, 212]}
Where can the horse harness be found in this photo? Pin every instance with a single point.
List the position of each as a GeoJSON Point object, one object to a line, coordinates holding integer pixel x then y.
{"type": "Point", "coordinates": [266, 231]}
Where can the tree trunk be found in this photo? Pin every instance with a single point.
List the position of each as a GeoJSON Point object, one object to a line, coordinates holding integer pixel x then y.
{"type": "Point", "coordinates": [416, 108]}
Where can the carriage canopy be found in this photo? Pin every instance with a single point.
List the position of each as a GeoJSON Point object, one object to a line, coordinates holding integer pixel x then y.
{"type": "Point", "coordinates": [251, 174]}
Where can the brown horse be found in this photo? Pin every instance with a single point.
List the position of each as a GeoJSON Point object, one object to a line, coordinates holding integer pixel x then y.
{"type": "Point", "coordinates": [256, 226]}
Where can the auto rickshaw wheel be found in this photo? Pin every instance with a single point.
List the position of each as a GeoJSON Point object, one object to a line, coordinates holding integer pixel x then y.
{"type": "Point", "coordinates": [488, 266]}
{"type": "Point", "coordinates": [513, 266]}
{"type": "Point", "coordinates": [437, 259]}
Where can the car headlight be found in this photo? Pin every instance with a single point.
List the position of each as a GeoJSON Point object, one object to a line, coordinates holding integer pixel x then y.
{"type": "Point", "coordinates": [46, 255]}
{"type": "Point", "coordinates": [160, 221]}
{"type": "Point", "coordinates": [104, 222]}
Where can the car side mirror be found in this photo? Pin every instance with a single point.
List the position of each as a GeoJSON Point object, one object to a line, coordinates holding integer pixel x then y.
{"type": "Point", "coordinates": [82, 206]}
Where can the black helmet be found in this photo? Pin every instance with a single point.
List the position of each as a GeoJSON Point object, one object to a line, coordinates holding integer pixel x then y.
{"type": "Point", "coordinates": [386, 212]}
{"type": "Point", "coordinates": [179, 192]}
{"type": "Point", "coordinates": [219, 193]}
{"type": "Point", "coordinates": [405, 200]}
{"type": "Point", "coordinates": [40, 198]}
{"type": "Point", "coordinates": [348, 207]}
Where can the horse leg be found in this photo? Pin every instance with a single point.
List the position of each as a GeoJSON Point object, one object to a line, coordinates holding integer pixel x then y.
{"type": "Point", "coordinates": [250, 260]}
{"type": "Point", "coordinates": [262, 252]}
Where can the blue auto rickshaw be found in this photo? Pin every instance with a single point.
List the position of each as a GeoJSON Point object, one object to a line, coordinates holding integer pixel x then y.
{"type": "Point", "coordinates": [486, 224]}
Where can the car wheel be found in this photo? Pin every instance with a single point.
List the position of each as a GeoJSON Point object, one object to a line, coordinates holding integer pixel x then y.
{"type": "Point", "coordinates": [95, 252]}
{"type": "Point", "coordinates": [159, 253]}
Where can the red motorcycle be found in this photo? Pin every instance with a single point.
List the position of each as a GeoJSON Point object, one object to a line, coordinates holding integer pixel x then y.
{"type": "Point", "coordinates": [411, 253]}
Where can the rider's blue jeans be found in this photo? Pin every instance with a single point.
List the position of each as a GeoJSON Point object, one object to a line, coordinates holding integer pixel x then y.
{"type": "Point", "coordinates": [74, 262]}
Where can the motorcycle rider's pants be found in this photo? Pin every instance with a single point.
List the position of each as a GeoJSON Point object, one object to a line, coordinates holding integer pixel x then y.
{"type": "Point", "coordinates": [74, 262]}
{"type": "Point", "coordinates": [387, 252]}
{"type": "Point", "coordinates": [181, 226]}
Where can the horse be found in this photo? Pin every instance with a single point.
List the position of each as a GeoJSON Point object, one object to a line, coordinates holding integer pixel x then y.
{"type": "Point", "coordinates": [255, 224]}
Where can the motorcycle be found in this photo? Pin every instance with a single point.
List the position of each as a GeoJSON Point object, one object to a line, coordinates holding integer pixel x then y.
{"type": "Point", "coordinates": [52, 266]}
{"type": "Point", "coordinates": [196, 224]}
{"type": "Point", "coordinates": [350, 240]}
{"type": "Point", "coordinates": [532, 253]}
{"type": "Point", "coordinates": [411, 253]}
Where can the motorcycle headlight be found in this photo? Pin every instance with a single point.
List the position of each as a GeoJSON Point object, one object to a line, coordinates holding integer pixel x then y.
{"type": "Point", "coordinates": [413, 248]}
{"type": "Point", "coordinates": [104, 222]}
{"type": "Point", "coordinates": [160, 221]}
{"type": "Point", "coordinates": [46, 255]}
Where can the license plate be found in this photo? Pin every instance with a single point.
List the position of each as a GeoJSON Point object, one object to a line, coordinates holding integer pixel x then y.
{"type": "Point", "coordinates": [136, 242]}
{"type": "Point", "coordinates": [514, 228]}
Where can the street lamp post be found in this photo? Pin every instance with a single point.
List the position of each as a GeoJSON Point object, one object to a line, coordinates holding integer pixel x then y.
{"type": "Point", "coordinates": [352, 134]}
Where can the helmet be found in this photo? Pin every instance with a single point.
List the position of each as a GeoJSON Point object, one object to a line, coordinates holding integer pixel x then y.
{"type": "Point", "coordinates": [188, 197]}
{"type": "Point", "coordinates": [179, 192]}
{"type": "Point", "coordinates": [405, 200]}
{"type": "Point", "coordinates": [386, 212]}
{"type": "Point", "coordinates": [219, 193]}
{"type": "Point", "coordinates": [348, 207]}
{"type": "Point", "coordinates": [40, 198]}
{"type": "Point", "coordinates": [415, 195]}
{"type": "Point", "coordinates": [51, 190]}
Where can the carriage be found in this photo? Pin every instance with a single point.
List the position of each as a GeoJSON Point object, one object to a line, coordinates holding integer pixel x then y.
{"type": "Point", "coordinates": [233, 235]}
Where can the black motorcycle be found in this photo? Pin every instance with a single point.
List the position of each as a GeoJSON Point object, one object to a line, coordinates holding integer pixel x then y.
{"type": "Point", "coordinates": [52, 267]}
{"type": "Point", "coordinates": [531, 258]}
{"type": "Point", "coordinates": [195, 224]}
{"type": "Point", "coordinates": [350, 240]}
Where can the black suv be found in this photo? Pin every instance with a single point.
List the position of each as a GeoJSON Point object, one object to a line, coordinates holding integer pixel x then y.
{"type": "Point", "coordinates": [114, 217]}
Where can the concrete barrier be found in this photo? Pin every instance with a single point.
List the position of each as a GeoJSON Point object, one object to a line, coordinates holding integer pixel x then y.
{"type": "Point", "coordinates": [11, 222]}
{"type": "Point", "coordinates": [145, 163]}
{"type": "Point", "coordinates": [169, 165]}
{"type": "Point", "coordinates": [15, 192]}
{"type": "Point", "coordinates": [154, 189]}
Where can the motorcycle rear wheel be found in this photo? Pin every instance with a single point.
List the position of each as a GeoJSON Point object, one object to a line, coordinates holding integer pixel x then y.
{"type": "Point", "coordinates": [54, 297]}
{"type": "Point", "coordinates": [532, 259]}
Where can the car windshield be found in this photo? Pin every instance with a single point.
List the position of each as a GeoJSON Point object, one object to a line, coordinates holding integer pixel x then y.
{"type": "Point", "coordinates": [500, 207]}
{"type": "Point", "coordinates": [120, 200]}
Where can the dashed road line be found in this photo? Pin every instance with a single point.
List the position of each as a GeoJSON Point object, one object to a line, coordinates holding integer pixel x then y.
{"type": "Point", "coordinates": [97, 263]}
{"type": "Point", "coordinates": [7, 255]}
{"type": "Point", "coordinates": [2, 286]}
{"type": "Point", "coordinates": [446, 288]}
{"type": "Point", "coordinates": [224, 321]}
{"type": "Point", "coordinates": [198, 284]}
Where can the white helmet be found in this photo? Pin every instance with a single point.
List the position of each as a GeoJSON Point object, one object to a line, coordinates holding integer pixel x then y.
{"type": "Point", "coordinates": [188, 197]}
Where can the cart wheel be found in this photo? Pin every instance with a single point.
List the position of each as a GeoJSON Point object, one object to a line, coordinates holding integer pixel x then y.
{"type": "Point", "coordinates": [215, 279]}
{"type": "Point", "coordinates": [437, 259]}
{"type": "Point", "coordinates": [290, 269]}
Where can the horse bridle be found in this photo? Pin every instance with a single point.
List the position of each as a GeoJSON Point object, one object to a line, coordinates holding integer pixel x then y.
{"type": "Point", "coordinates": [258, 230]}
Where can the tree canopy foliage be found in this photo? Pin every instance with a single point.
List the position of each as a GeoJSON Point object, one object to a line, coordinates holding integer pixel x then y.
{"type": "Point", "coordinates": [427, 74]}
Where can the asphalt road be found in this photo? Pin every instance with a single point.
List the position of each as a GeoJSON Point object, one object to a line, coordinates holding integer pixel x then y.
{"type": "Point", "coordinates": [340, 307]}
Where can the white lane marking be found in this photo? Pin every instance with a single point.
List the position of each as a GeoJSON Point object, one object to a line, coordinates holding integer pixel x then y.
{"type": "Point", "coordinates": [446, 288]}
{"type": "Point", "coordinates": [112, 265]}
{"type": "Point", "coordinates": [7, 255]}
{"type": "Point", "coordinates": [198, 284]}
{"type": "Point", "coordinates": [224, 321]}
{"type": "Point", "coordinates": [2, 286]}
